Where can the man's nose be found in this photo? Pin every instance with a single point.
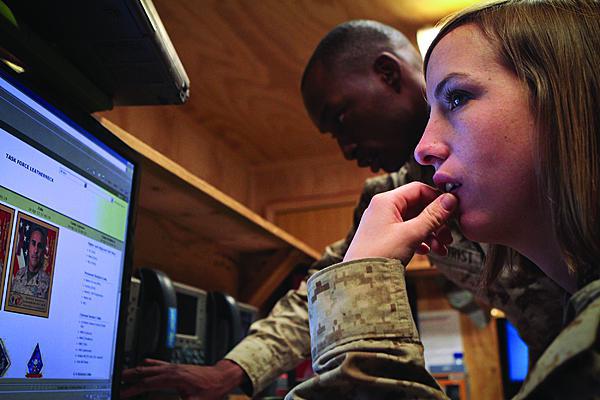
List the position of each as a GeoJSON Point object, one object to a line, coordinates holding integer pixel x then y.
{"type": "Point", "coordinates": [349, 150]}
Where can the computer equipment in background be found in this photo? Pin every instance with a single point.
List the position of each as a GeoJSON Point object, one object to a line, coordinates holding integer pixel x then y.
{"type": "Point", "coordinates": [129, 358]}
{"type": "Point", "coordinates": [514, 357]}
{"type": "Point", "coordinates": [196, 327]}
{"type": "Point", "coordinates": [157, 316]}
{"type": "Point", "coordinates": [190, 340]}
{"type": "Point", "coordinates": [248, 314]}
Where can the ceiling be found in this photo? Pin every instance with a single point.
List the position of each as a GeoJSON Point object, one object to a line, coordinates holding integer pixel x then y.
{"type": "Point", "coordinates": [245, 58]}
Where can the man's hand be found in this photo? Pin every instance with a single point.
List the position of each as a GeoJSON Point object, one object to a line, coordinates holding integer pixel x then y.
{"type": "Point", "coordinates": [192, 382]}
{"type": "Point", "coordinates": [404, 221]}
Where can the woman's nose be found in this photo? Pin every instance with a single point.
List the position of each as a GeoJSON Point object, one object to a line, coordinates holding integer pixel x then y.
{"type": "Point", "coordinates": [431, 149]}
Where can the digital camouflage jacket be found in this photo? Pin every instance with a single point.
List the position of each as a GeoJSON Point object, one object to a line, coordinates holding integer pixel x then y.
{"type": "Point", "coordinates": [365, 344]}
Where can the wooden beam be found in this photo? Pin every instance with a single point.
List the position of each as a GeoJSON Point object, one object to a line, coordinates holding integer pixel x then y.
{"type": "Point", "coordinates": [259, 282]}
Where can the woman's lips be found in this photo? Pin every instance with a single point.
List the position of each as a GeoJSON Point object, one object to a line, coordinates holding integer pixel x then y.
{"type": "Point", "coordinates": [450, 187]}
{"type": "Point", "coordinates": [446, 184]}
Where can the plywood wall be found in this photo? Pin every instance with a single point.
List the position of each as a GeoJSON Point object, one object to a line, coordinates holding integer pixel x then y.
{"type": "Point", "coordinates": [305, 180]}
{"type": "Point", "coordinates": [172, 131]}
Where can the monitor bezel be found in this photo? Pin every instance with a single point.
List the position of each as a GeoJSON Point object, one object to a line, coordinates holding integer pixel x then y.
{"type": "Point", "coordinates": [511, 386]}
{"type": "Point", "coordinates": [63, 108]}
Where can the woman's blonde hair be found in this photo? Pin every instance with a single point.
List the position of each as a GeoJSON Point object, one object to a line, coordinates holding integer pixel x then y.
{"type": "Point", "coordinates": [553, 46]}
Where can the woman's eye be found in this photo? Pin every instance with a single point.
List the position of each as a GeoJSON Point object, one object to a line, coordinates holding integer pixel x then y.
{"type": "Point", "coordinates": [456, 99]}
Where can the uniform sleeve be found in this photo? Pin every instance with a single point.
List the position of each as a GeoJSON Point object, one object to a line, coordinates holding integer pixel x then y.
{"type": "Point", "coordinates": [276, 343]}
{"type": "Point", "coordinates": [364, 342]}
{"type": "Point", "coordinates": [281, 341]}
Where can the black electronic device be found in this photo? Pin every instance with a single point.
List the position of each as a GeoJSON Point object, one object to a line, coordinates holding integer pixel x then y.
{"type": "Point", "coordinates": [179, 323]}
{"type": "Point", "coordinates": [248, 314]}
{"type": "Point", "coordinates": [224, 326]}
{"type": "Point", "coordinates": [157, 316]}
{"type": "Point", "coordinates": [514, 357]}
{"type": "Point", "coordinates": [190, 340]}
{"type": "Point", "coordinates": [119, 45]}
{"type": "Point", "coordinates": [130, 359]}
{"type": "Point", "coordinates": [73, 184]}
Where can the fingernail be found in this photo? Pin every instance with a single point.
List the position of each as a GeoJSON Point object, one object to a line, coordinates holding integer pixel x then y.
{"type": "Point", "coordinates": [448, 201]}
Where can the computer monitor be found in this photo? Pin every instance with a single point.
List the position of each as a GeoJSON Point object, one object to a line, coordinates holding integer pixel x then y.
{"type": "Point", "coordinates": [67, 195]}
{"type": "Point", "coordinates": [514, 357]}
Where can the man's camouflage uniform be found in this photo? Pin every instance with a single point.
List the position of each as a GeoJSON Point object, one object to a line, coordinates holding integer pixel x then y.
{"type": "Point", "coordinates": [365, 344]}
{"type": "Point", "coordinates": [37, 286]}
{"type": "Point", "coordinates": [282, 340]}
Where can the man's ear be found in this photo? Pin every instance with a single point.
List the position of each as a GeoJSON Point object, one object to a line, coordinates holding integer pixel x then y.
{"type": "Point", "coordinates": [389, 68]}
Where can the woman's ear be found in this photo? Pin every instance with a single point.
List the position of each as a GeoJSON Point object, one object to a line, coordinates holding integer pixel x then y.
{"type": "Point", "coordinates": [389, 68]}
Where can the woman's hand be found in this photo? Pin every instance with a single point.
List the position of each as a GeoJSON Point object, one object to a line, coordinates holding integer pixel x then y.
{"type": "Point", "coordinates": [404, 221]}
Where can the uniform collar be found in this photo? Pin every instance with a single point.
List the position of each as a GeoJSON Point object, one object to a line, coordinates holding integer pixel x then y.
{"type": "Point", "coordinates": [580, 300]}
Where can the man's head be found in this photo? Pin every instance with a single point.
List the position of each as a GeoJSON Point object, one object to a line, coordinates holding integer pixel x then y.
{"type": "Point", "coordinates": [36, 249]}
{"type": "Point", "coordinates": [364, 85]}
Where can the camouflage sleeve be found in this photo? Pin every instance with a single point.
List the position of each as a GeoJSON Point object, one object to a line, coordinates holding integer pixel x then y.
{"type": "Point", "coordinates": [281, 341]}
{"type": "Point", "coordinates": [277, 343]}
{"type": "Point", "coordinates": [364, 342]}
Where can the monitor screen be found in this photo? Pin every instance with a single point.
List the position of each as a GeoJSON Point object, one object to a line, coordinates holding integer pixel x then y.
{"type": "Point", "coordinates": [187, 310]}
{"type": "Point", "coordinates": [517, 354]}
{"type": "Point", "coordinates": [514, 357]}
{"type": "Point", "coordinates": [65, 209]}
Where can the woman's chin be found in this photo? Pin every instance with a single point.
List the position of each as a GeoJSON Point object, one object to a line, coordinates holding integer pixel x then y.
{"type": "Point", "coordinates": [476, 228]}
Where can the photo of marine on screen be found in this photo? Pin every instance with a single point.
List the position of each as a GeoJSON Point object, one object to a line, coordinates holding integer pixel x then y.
{"type": "Point", "coordinates": [6, 223]}
{"type": "Point", "coordinates": [32, 267]}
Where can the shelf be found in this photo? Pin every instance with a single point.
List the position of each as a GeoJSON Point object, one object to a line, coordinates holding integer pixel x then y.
{"type": "Point", "coordinates": [177, 209]}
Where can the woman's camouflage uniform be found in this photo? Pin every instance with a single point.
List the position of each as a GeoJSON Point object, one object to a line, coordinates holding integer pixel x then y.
{"type": "Point", "coordinates": [365, 344]}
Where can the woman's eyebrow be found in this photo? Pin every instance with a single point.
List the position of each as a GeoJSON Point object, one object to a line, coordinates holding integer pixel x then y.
{"type": "Point", "coordinates": [444, 82]}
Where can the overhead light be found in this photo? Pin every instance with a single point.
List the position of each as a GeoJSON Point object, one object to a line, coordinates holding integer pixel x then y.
{"type": "Point", "coordinates": [424, 38]}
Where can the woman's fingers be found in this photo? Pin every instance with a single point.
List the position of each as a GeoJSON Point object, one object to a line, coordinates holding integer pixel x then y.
{"type": "Point", "coordinates": [431, 221]}
{"type": "Point", "coordinates": [403, 221]}
{"type": "Point", "coordinates": [437, 242]}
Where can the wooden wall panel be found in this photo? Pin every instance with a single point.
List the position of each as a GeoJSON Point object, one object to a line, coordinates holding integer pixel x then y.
{"type": "Point", "coordinates": [161, 244]}
{"type": "Point", "coordinates": [321, 178]}
{"type": "Point", "coordinates": [171, 131]}
{"type": "Point", "coordinates": [317, 225]}
{"type": "Point", "coordinates": [313, 200]}
{"type": "Point", "coordinates": [483, 355]}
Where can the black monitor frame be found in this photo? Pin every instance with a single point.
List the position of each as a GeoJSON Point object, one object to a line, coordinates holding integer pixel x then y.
{"type": "Point", "coordinates": [36, 88]}
{"type": "Point", "coordinates": [510, 386]}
